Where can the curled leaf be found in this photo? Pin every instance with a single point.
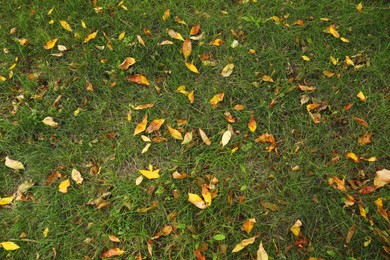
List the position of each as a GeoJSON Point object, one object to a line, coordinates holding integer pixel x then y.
{"type": "Point", "coordinates": [90, 36]}
{"type": "Point", "coordinates": [139, 79]}
{"type": "Point", "coordinates": [197, 201]}
{"type": "Point", "coordinates": [76, 176]}
{"type": "Point", "coordinates": [204, 137]}
{"type": "Point", "coordinates": [332, 30]}
{"type": "Point", "coordinates": [382, 178]}
{"type": "Point", "coordinates": [175, 35]}
{"type": "Point", "coordinates": [244, 243]}
{"type": "Point", "coordinates": [216, 99]}
{"type": "Point", "coordinates": [127, 63]}
{"type": "Point", "coordinates": [155, 125]}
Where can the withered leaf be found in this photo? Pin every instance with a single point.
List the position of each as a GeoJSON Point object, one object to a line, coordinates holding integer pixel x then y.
{"type": "Point", "coordinates": [141, 126]}
{"type": "Point", "coordinates": [127, 63]}
{"type": "Point", "coordinates": [186, 48]}
{"type": "Point", "coordinates": [204, 137]}
{"type": "Point", "coordinates": [174, 133]}
{"type": "Point", "coordinates": [139, 79]}
{"type": "Point", "coordinates": [112, 252]}
{"type": "Point", "coordinates": [244, 243]}
{"type": "Point", "coordinates": [155, 125]}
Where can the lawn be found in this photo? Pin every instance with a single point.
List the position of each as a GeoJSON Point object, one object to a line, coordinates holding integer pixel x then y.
{"type": "Point", "coordinates": [194, 129]}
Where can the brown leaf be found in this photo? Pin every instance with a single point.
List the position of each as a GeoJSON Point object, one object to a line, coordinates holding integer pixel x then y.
{"type": "Point", "coordinates": [166, 15]}
{"type": "Point", "coordinates": [306, 88]}
{"type": "Point", "coordinates": [267, 78]}
{"type": "Point", "coordinates": [360, 121]}
{"type": "Point", "coordinates": [195, 29]}
{"type": "Point", "coordinates": [299, 22]}
{"type": "Point", "coordinates": [112, 252]}
{"type": "Point", "coordinates": [365, 139]}
{"type": "Point", "coordinates": [328, 73]}
{"type": "Point", "coordinates": [139, 79]}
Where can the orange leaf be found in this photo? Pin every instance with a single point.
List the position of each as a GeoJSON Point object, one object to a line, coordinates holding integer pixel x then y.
{"type": "Point", "coordinates": [353, 157]}
{"type": "Point", "coordinates": [166, 15]}
{"type": "Point", "coordinates": [328, 73]}
{"type": "Point", "coordinates": [361, 96]}
{"type": "Point", "coordinates": [139, 79]}
{"type": "Point", "coordinates": [195, 29]}
{"type": "Point", "coordinates": [141, 126]}
{"type": "Point", "coordinates": [360, 121]}
{"type": "Point", "coordinates": [365, 139]}
{"type": "Point", "coordinates": [186, 48]}
{"type": "Point", "coordinates": [332, 30]}
{"type": "Point", "coordinates": [174, 133]}
{"type": "Point", "coordinates": [113, 238]}
{"type": "Point", "coordinates": [216, 99]}
{"type": "Point", "coordinates": [306, 88]}
{"type": "Point", "coordinates": [155, 125]}
{"type": "Point", "coordinates": [266, 138]}
{"type": "Point", "coordinates": [252, 124]}
{"type": "Point", "coordinates": [299, 22]}
{"type": "Point", "coordinates": [359, 7]}
{"type": "Point", "coordinates": [192, 67]}
{"type": "Point", "coordinates": [175, 35]}
{"type": "Point", "coordinates": [90, 36]}
{"type": "Point", "coordinates": [147, 32]}
{"type": "Point", "coordinates": [204, 137]}
{"type": "Point", "coordinates": [216, 42]}
{"type": "Point", "coordinates": [112, 252]}
{"type": "Point", "coordinates": [127, 63]}
{"type": "Point", "coordinates": [239, 107]}
{"type": "Point", "coordinates": [267, 78]}
{"type": "Point", "coordinates": [248, 225]}
{"type": "Point", "coordinates": [178, 175]}
{"type": "Point", "coordinates": [50, 44]}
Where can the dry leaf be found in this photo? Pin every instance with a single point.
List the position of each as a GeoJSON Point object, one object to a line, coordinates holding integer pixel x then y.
{"type": "Point", "coordinates": [216, 42]}
{"type": "Point", "coordinates": [139, 180]}
{"type": "Point", "coordinates": [304, 99]}
{"type": "Point", "coordinates": [361, 96]}
{"type": "Point", "coordinates": [90, 36]}
{"type": "Point", "coordinates": [204, 137]}
{"type": "Point", "coordinates": [175, 35]}
{"type": "Point", "coordinates": [267, 78]}
{"type": "Point", "coordinates": [143, 106]}
{"type": "Point", "coordinates": [332, 30]}
{"type": "Point", "coordinates": [206, 195]}
{"type": "Point", "coordinates": [113, 238]}
{"type": "Point", "coordinates": [187, 138]}
{"type": "Point", "coordinates": [365, 139]}
{"type": "Point", "coordinates": [174, 133]}
{"type": "Point", "coordinates": [296, 228]}
{"type": "Point", "coordinates": [305, 58]}
{"type": "Point", "coordinates": [197, 201]}
{"type": "Point", "coordinates": [306, 88]}
{"type": "Point", "coordinates": [333, 60]}
{"type": "Point", "coordinates": [50, 121]}
{"type": "Point", "coordinates": [141, 126]}
{"type": "Point", "coordinates": [178, 175]}
{"type": "Point", "coordinates": [127, 63]}
{"type": "Point", "coordinates": [382, 178]}
{"type": "Point", "coordinates": [244, 243]}
{"type": "Point", "coordinates": [299, 22]}
{"type": "Point", "coordinates": [65, 25]}
{"type": "Point", "coordinates": [266, 138]}
{"type": "Point", "coordinates": [348, 61]}
{"type": "Point", "coordinates": [112, 252]}
{"type": "Point", "coordinates": [155, 125]}
{"type": "Point", "coordinates": [360, 121]}
{"type": "Point", "coordinates": [248, 225]}
{"type": "Point", "coordinates": [227, 70]}
{"type": "Point", "coordinates": [340, 184]}
{"type": "Point", "coordinates": [191, 97]}
{"type": "Point", "coordinates": [216, 99]}
{"type": "Point", "coordinates": [226, 137]}
{"type": "Point", "coordinates": [13, 164]}
{"type": "Point", "coordinates": [380, 209]}
{"type": "Point", "coordinates": [192, 67]}
{"type": "Point", "coordinates": [150, 173]}
{"type": "Point", "coordinates": [139, 79]}
{"type": "Point", "coordinates": [166, 15]}
{"type": "Point", "coordinates": [328, 73]}
{"type": "Point", "coordinates": [50, 44]}
{"type": "Point", "coordinates": [146, 148]}
{"type": "Point", "coordinates": [9, 246]}
{"type": "Point", "coordinates": [195, 29]}
{"type": "Point", "coordinates": [6, 200]}
{"type": "Point", "coordinates": [261, 253]}
{"type": "Point", "coordinates": [45, 232]}
{"type": "Point", "coordinates": [252, 124]}
{"type": "Point", "coordinates": [344, 39]}
{"type": "Point", "coordinates": [359, 7]}
{"type": "Point", "coordinates": [353, 157]}
{"type": "Point", "coordinates": [180, 21]}
{"type": "Point", "coordinates": [140, 41]}
{"type": "Point", "coordinates": [76, 176]}
{"type": "Point", "coordinates": [63, 187]}
{"type": "Point", "coordinates": [121, 36]}
{"type": "Point", "coordinates": [239, 107]}
{"type": "Point", "coordinates": [166, 42]}
{"type": "Point", "coordinates": [186, 48]}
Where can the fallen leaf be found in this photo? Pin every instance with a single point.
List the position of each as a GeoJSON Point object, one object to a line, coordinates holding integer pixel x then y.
{"type": "Point", "coordinates": [248, 225]}
{"type": "Point", "coordinates": [175, 35]}
{"type": "Point", "coordinates": [155, 125]}
{"type": "Point", "coordinates": [143, 106]}
{"type": "Point", "coordinates": [90, 36]}
{"type": "Point", "coordinates": [113, 238]}
{"type": "Point", "coordinates": [191, 97]}
{"type": "Point", "coordinates": [216, 42]}
{"type": "Point", "coordinates": [50, 121]}
{"type": "Point", "coordinates": [344, 39]}
{"type": "Point", "coordinates": [365, 139]}
{"type": "Point", "coordinates": [361, 96]}
{"type": "Point", "coordinates": [304, 99]}
{"type": "Point", "coordinates": [186, 48]}
{"type": "Point", "coordinates": [140, 41]}
{"type": "Point", "coordinates": [174, 133]}
{"type": "Point", "coordinates": [178, 175]}
{"type": "Point", "coordinates": [382, 178]}
{"type": "Point", "coordinates": [267, 78]}
{"type": "Point", "coordinates": [234, 44]}
{"type": "Point", "coordinates": [269, 205]}
{"type": "Point", "coordinates": [50, 44]}
{"type": "Point", "coordinates": [266, 138]}
{"type": "Point", "coordinates": [76, 176]}
{"type": "Point", "coordinates": [139, 79]}
{"type": "Point", "coordinates": [9, 246]}
{"type": "Point", "coordinates": [127, 63]}
{"type": "Point", "coordinates": [332, 30]}
{"type": "Point", "coordinates": [63, 187]}
{"type": "Point", "coordinates": [13, 164]}
{"type": "Point", "coordinates": [239, 107]}
{"type": "Point", "coordinates": [195, 29]}
{"type": "Point", "coordinates": [380, 209]}
{"type": "Point", "coordinates": [204, 137]}
{"type": "Point", "coordinates": [359, 7]}
{"type": "Point", "coordinates": [306, 88]}
{"type": "Point", "coordinates": [187, 138]}
{"type": "Point", "coordinates": [197, 37]}
{"type": "Point", "coordinates": [367, 189]}
{"type": "Point", "coordinates": [352, 156]}
{"type": "Point", "coordinates": [227, 70]}
{"type": "Point", "coordinates": [261, 253]}
{"type": "Point", "coordinates": [206, 195]}
{"type": "Point", "coordinates": [350, 234]}
{"type": "Point", "coordinates": [226, 137]}
{"type": "Point", "coordinates": [299, 22]}
{"type": "Point", "coordinates": [305, 58]}
{"type": "Point", "coordinates": [362, 211]}
{"type": "Point", "coordinates": [244, 243]}
{"type": "Point", "coordinates": [296, 228]}
{"type": "Point", "coordinates": [197, 201]}
{"type": "Point", "coordinates": [6, 200]}
{"type": "Point", "coordinates": [216, 99]}
{"type": "Point", "coordinates": [360, 121]}
{"type": "Point", "coordinates": [340, 184]}
{"type": "Point", "coordinates": [348, 61]}
{"type": "Point", "coordinates": [45, 232]}
{"type": "Point", "coordinates": [192, 67]}
{"type": "Point", "coordinates": [65, 25]}
{"type": "Point", "coordinates": [252, 124]}
{"type": "Point", "coordinates": [112, 252]}
{"type": "Point", "coordinates": [333, 60]}
{"type": "Point", "coordinates": [150, 173]}
{"type": "Point", "coordinates": [166, 14]}
{"type": "Point", "coordinates": [146, 148]}
{"type": "Point", "coordinates": [121, 36]}
{"type": "Point", "coordinates": [166, 42]}
{"type": "Point", "coordinates": [141, 126]}
{"type": "Point", "coordinates": [328, 73]}
{"type": "Point", "coordinates": [180, 21]}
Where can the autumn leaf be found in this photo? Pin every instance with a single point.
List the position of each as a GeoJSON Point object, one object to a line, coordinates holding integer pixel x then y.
{"type": "Point", "coordinates": [333, 60]}
{"type": "Point", "coordinates": [50, 44]}
{"type": "Point", "coordinates": [204, 137]}
{"type": "Point", "coordinates": [379, 207]}
{"type": "Point", "coordinates": [140, 40]}
{"type": "Point", "coordinates": [174, 133]}
{"type": "Point", "coordinates": [197, 201]}
{"type": "Point", "coordinates": [187, 138]}
{"type": "Point", "coordinates": [141, 126]}
{"type": "Point", "coordinates": [344, 39]}
{"type": "Point", "coordinates": [9, 246]}
{"type": "Point", "coordinates": [139, 79]}
{"type": "Point", "coordinates": [65, 25]}
{"type": "Point", "coordinates": [49, 121]}
{"type": "Point", "coordinates": [248, 225]}
{"type": "Point", "coordinates": [352, 156]}
{"type": "Point", "coordinates": [296, 228]}
{"type": "Point", "coordinates": [299, 22]}
{"type": "Point", "coordinates": [361, 96]}
{"type": "Point", "coordinates": [359, 7]}
{"type": "Point", "coordinates": [155, 125]}
{"type": "Point", "coordinates": [261, 253]}
{"type": "Point", "coordinates": [266, 138]}
{"type": "Point", "coordinates": [112, 252]}
{"type": "Point", "coordinates": [191, 97]}
{"type": "Point", "coordinates": [76, 176]}
{"type": "Point", "coordinates": [267, 78]}
{"type": "Point", "coordinates": [127, 63]}
{"type": "Point", "coordinates": [360, 121]}
{"type": "Point", "coordinates": [146, 148]}
{"type": "Point", "coordinates": [121, 36]}
{"type": "Point", "coordinates": [227, 70]}
{"type": "Point", "coordinates": [336, 183]}
{"type": "Point", "coordinates": [244, 243]}
{"type": "Point", "coordinates": [206, 195]}
{"type": "Point", "coordinates": [195, 29]}
{"type": "Point", "coordinates": [113, 238]}
{"type": "Point", "coordinates": [216, 42]}
{"type": "Point", "coordinates": [365, 139]}
{"type": "Point", "coordinates": [186, 48]}
{"type": "Point", "coordinates": [13, 164]}
{"type": "Point", "coordinates": [175, 35]}
{"type": "Point", "coordinates": [305, 58]}
{"type": "Point", "coordinates": [6, 200]}
{"type": "Point", "coordinates": [332, 30]}
{"type": "Point", "coordinates": [150, 173]}
{"type": "Point", "coordinates": [166, 14]}
{"type": "Point", "coordinates": [226, 137]}
{"type": "Point", "coordinates": [252, 124]}
{"type": "Point", "coordinates": [63, 187]}
{"type": "Point", "coordinates": [382, 178]}
{"type": "Point", "coordinates": [180, 21]}
{"type": "Point", "coordinates": [166, 42]}
{"type": "Point", "coordinates": [178, 175]}
{"type": "Point", "coordinates": [239, 107]}
{"type": "Point", "coordinates": [348, 61]}
{"type": "Point", "coordinates": [216, 99]}
{"type": "Point", "coordinates": [90, 36]}
{"type": "Point", "coordinates": [192, 67]}
{"type": "Point", "coordinates": [143, 106]}
{"type": "Point", "coordinates": [328, 73]}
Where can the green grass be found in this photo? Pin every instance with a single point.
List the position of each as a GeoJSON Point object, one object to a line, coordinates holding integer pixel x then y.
{"type": "Point", "coordinates": [101, 135]}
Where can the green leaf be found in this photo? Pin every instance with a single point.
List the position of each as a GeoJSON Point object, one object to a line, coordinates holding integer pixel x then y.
{"type": "Point", "coordinates": [219, 237]}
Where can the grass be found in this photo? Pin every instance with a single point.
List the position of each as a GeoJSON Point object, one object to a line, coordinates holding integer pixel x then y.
{"type": "Point", "coordinates": [101, 136]}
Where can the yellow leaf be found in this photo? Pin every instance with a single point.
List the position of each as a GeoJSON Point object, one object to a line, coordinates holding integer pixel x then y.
{"type": "Point", "coordinates": [45, 232]}
{"type": "Point", "coordinates": [362, 211]}
{"type": "Point", "coordinates": [359, 7]}
{"type": "Point", "coordinates": [146, 148]}
{"type": "Point", "coordinates": [50, 121]}
{"type": "Point", "coordinates": [9, 246]}
{"type": "Point", "coordinates": [332, 30]}
{"type": "Point", "coordinates": [141, 126]}
{"type": "Point", "coordinates": [186, 48]}
{"type": "Point", "coordinates": [83, 24]}
{"type": "Point", "coordinates": [261, 253]}
{"type": "Point", "coordinates": [382, 178]}
{"type": "Point", "coordinates": [348, 61]}
{"type": "Point", "coordinates": [191, 97]}
{"type": "Point", "coordinates": [328, 73]}
{"type": "Point", "coordinates": [192, 67]}
{"type": "Point", "coordinates": [90, 36]}
{"type": "Point", "coordinates": [175, 35]}
{"type": "Point", "coordinates": [6, 200]}
{"type": "Point", "coordinates": [140, 41]}
{"type": "Point", "coordinates": [155, 125]}
{"type": "Point", "coordinates": [296, 228]}
{"type": "Point", "coordinates": [197, 201]}
{"type": "Point", "coordinates": [166, 42]}
{"type": "Point", "coordinates": [206, 195]}
{"type": "Point", "coordinates": [266, 138]}
{"type": "Point", "coordinates": [216, 42]}
{"type": "Point", "coordinates": [182, 90]}
{"type": "Point", "coordinates": [23, 41]}
{"type": "Point", "coordinates": [333, 60]}
{"type": "Point", "coordinates": [51, 21]}
{"type": "Point", "coordinates": [252, 124]}
{"type": "Point", "coordinates": [143, 106]}
{"type": "Point", "coordinates": [113, 238]}
{"type": "Point", "coordinates": [305, 58]}
{"type": "Point", "coordinates": [166, 15]}
{"type": "Point", "coordinates": [63, 187]}
{"type": "Point", "coordinates": [121, 36]}
{"type": "Point", "coordinates": [65, 25]}
{"type": "Point", "coordinates": [187, 138]}
{"type": "Point", "coordinates": [216, 99]}
{"type": "Point", "coordinates": [361, 96]}
{"type": "Point", "coordinates": [139, 79]}
{"type": "Point", "coordinates": [174, 133]}
{"type": "Point", "coordinates": [344, 39]}
{"type": "Point", "coordinates": [353, 157]}
{"type": "Point", "coordinates": [226, 137]}
{"type": "Point", "coordinates": [244, 243]}
{"type": "Point", "coordinates": [76, 176]}
{"type": "Point", "coordinates": [227, 70]}
{"type": "Point", "coordinates": [180, 21]}
{"type": "Point", "coordinates": [150, 173]}
{"type": "Point", "coordinates": [50, 44]}
{"type": "Point", "coordinates": [2, 78]}
{"type": "Point", "coordinates": [248, 225]}
{"type": "Point", "coordinates": [204, 137]}
{"type": "Point", "coordinates": [13, 164]}
{"type": "Point", "coordinates": [112, 252]}
{"type": "Point", "coordinates": [267, 78]}
{"type": "Point", "coordinates": [50, 11]}
{"type": "Point", "coordinates": [127, 63]}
